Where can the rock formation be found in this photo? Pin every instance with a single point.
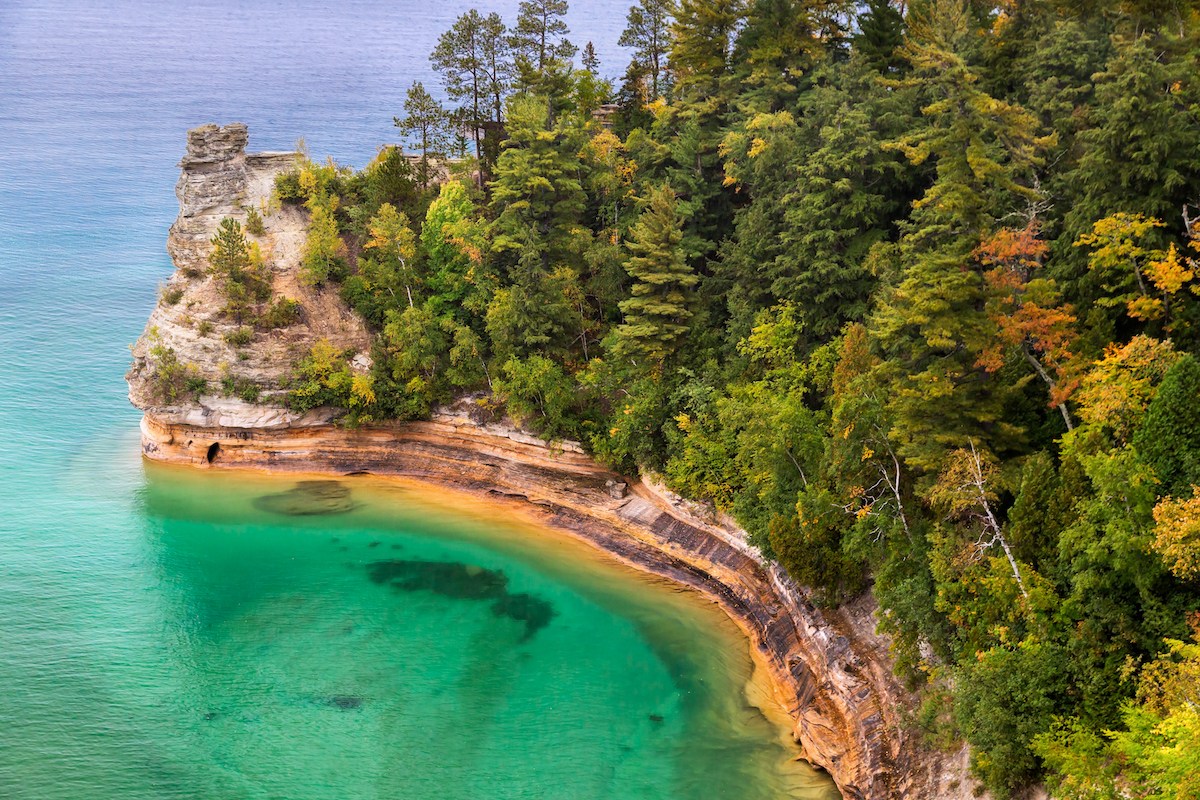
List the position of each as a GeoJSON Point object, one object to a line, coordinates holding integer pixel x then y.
{"type": "Point", "coordinates": [220, 179]}
{"type": "Point", "coordinates": [832, 670]}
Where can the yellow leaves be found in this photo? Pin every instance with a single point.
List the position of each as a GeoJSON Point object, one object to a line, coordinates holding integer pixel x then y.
{"type": "Point", "coordinates": [1177, 534]}
{"type": "Point", "coordinates": [1116, 239]}
{"type": "Point", "coordinates": [863, 512]}
{"type": "Point", "coordinates": [1118, 389]}
{"type": "Point", "coordinates": [682, 420]}
{"type": "Point", "coordinates": [1145, 308]}
{"type": "Point", "coordinates": [867, 453]}
{"type": "Point", "coordinates": [757, 146]}
{"type": "Point", "coordinates": [849, 429]}
{"type": "Point", "coordinates": [362, 391]}
{"type": "Point", "coordinates": [308, 181]}
{"type": "Point", "coordinates": [1169, 274]}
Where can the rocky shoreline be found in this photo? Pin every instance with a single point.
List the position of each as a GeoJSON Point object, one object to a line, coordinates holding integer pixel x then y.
{"type": "Point", "coordinates": [831, 670]}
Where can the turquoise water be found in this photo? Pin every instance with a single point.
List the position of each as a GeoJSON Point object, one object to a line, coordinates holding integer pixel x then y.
{"type": "Point", "coordinates": [166, 633]}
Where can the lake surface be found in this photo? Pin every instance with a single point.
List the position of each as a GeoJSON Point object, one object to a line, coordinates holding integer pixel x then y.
{"type": "Point", "coordinates": [166, 633]}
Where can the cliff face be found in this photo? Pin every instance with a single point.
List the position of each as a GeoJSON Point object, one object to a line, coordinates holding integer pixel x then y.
{"type": "Point", "coordinates": [219, 179]}
{"type": "Point", "coordinates": [832, 671]}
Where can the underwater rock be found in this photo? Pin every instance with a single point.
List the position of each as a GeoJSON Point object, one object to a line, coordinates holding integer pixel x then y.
{"type": "Point", "coordinates": [465, 582]}
{"type": "Point", "coordinates": [345, 702]}
{"type": "Point", "coordinates": [309, 498]}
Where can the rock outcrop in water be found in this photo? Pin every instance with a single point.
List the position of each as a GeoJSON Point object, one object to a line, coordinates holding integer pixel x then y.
{"type": "Point", "coordinates": [220, 179]}
{"type": "Point", "coordinates": [833, 672]}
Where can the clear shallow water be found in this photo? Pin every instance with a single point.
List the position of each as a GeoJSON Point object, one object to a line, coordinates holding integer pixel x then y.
{"type": "Point", "coordinates": [165, 634]}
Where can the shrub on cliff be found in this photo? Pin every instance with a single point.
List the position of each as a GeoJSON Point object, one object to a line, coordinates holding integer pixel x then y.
{"type": "Point", "coordinates": [324, 378]}
{"type": "Point", "coordinates": [239, 267]}
{"type": "Point", "coordinates": [241, 387]}
{"type": "Point", "coordinates": [171, 380]}
{"type": "Point", "coordinates": [283, 311]}
{"type": "Point", "coordinates": [254, 221]}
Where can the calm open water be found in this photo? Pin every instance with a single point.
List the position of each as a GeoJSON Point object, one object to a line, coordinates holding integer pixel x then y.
{"type": "Point", "coordinates": [166, 633]}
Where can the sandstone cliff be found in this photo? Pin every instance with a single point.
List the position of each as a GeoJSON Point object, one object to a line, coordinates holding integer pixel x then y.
{"type": "Point", "coordinates": [220, 179]}
{"type": "Point", "coordinates": [832, 670]}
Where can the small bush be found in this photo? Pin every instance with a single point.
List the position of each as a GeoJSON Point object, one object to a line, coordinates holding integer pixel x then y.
{"type": "Point", "coordinates": [172, 380]}
{"type": "Point", "coordinates": [244, 388]}
{"type": "Point", "coordinates": [171, 294]}
{"type": "Point", "coordinates": [282, 312]}
{"type": "Point", "coordinates": [204, 328]}
{"type": "Point", "coordinates": [239, 266]}
{"type": "Point", "coordinates": [254, 222]}
{"type": "Point", "coordinates": [288, 189]}
{"type": "Point", "coordinates": [240, 337]}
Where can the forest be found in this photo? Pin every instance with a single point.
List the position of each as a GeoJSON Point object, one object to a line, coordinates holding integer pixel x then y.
{"type": "Point", "coordinates": [911, 290]}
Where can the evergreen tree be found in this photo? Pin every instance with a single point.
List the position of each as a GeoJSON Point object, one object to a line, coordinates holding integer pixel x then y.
{"type": "Point", "coordinates": [498, 67]}
{"type": "Point", "coordinates": [932, 325]}
{"type": "Point", "coordinates": [657, 312]}
{"type": "Point", "coordinates": [776, 48]}
{"type": "Point", "coordinates": [589, 60]}
{"type": "Point", "coordinates": [1169, 439]}
{"type": "Point", "coordinates": [230, 256]}
{"type": "Point", "coordinates": [538, 201]}
{"type": "Point", "coordinates": [703, 33]}
{"type": "Point", "coordinates": [1137, 153]}
{"type": "Point", "coordinates": [460, 57]}
{"type": "Point", "coordinates": [426, 121]}
{"type": "Point", "coordinates": [647, 33]}
{"type": "Point", "coordinates": [538, 40]}
{"type": "Point", "coordinates": [880, 35]}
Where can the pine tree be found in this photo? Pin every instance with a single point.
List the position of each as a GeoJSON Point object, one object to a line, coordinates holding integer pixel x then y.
{"type": "Point", "coordinates": [230, 256]}
{"type": "Point", "coordinates": [702, 40]}
{"type": "Point", "coordinates": [1169, 439]}
{"type": "Point", "coordinates": [474, 60]}
{"type": "Point", "coordinates": [498, 68]}
{"type": "Point", "coordinates": [657, 313]}
{"type": "Point", "coordinates": [538, 40]}
{"type": "Point", "coordinates": [775, 50]}
{"type": "Point", "coordinates": [880, 35]}
{"type": "Point", "coordinates": [932, 325]}
{"type": "Point", "coordinates": [589, 60]}
{"type": "Point", "coordinates": [425, 121]}
{"type": "Point", "coordinates": [460, 58]}
{"type": "Point", "coordinates": [538, 200]}
{"type": "Point", "coordinates": [1138, 153]}
{"type": "Point", "coordinates": [647, 32]}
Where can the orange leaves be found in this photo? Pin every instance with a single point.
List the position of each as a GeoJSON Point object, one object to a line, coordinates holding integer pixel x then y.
{"type": "Point", "coordinates": [1025, 308]}
{"type": "Point", "coordinates": [1014, 250]}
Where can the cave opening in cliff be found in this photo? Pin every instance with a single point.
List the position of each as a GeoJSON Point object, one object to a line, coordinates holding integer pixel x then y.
{"type": "Point", "coordinates": [214, 450]}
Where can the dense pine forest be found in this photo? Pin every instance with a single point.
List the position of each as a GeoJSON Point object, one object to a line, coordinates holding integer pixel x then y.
{"type": "Point", "coordinates": [910, 290]}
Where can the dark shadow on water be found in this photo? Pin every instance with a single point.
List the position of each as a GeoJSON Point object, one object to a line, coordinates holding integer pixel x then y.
{"type": "Point", "coordinates": [309, 498]}
{"type": "Point", "coordinates": [465, 582]}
